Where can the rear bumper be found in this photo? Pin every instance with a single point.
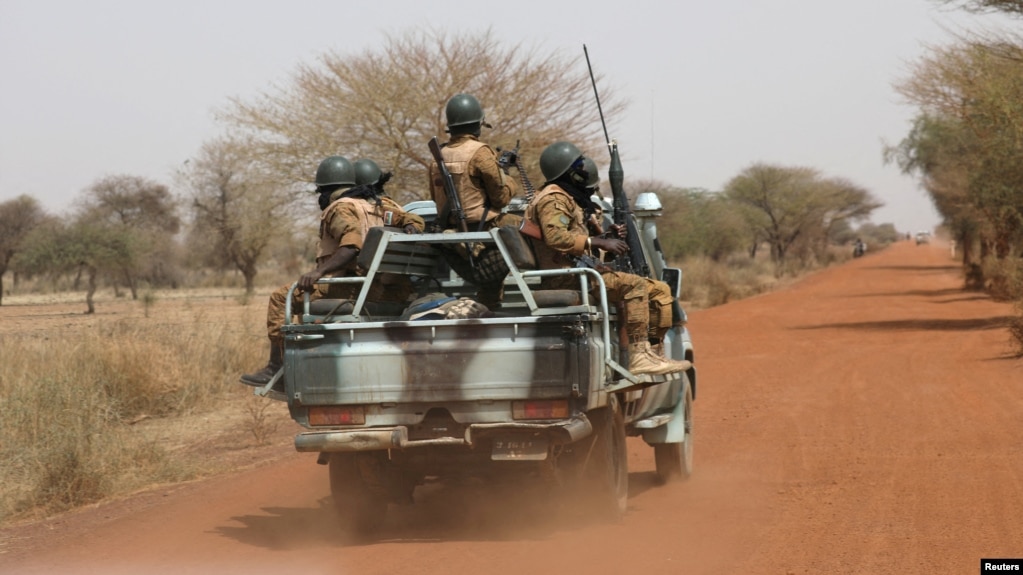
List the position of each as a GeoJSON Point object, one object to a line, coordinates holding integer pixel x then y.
{"type": "Point", "coordinates": [340, 440]}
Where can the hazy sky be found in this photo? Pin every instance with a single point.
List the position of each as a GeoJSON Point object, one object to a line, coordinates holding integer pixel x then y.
{"type": "Point", "coordinates": [101, 87]}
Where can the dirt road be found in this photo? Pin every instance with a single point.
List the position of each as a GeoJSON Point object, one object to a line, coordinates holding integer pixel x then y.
{"type": "Point", "coordinates": [865, 420]}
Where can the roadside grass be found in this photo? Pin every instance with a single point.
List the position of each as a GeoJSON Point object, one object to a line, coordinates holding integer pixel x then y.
{"type": "Point", "coordinates": [69, 403]}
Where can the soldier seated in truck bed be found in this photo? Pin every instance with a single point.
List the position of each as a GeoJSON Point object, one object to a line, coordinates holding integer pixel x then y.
{"type": "Point", "coordinates": [348, 214]}
{"type": "Point", "coordinates": [558, 211]}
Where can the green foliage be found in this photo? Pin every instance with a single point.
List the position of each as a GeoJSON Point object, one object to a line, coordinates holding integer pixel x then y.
{"type": "Point", "coordinates": [878, 235]}
{"type": "Point", "coordinates": [17, 219]}
{"type": "Point", "coordinates": [966, 143]}
{"type": "Point", "coordinates": [783, 205]}
{"type": "Point", "coordinates": [697, 222]}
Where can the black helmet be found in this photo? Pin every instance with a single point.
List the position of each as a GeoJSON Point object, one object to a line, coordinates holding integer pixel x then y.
{"type": "Point", "coordinates": [335, 170]}
{"type": "Point", "coordinates": [557, 158]}
{"type": "Point", "coordinates": [463, 110]}
{"type": "Point", "coordinates": [367, 172]}
{"type": "Point", "coordinates": [592, 175]}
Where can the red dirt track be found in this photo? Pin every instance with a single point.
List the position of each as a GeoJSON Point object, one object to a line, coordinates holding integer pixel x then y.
{"type": "Point", "coordinates": [868, 419]}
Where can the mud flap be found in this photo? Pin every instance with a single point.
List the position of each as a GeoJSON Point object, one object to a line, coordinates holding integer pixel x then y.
{"type": "Point", "coordinates": [672, 432]}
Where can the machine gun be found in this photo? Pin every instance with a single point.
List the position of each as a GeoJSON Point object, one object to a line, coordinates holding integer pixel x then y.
{"type": "Point", "coordinates": [454, 205]}
{"type": "Point", "coordinates": [513, 160]}
{"type": "Point", "coordinates": [632, 261]}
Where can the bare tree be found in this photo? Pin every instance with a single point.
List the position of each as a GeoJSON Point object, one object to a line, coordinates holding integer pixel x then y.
{"type": "Point", "coordinates": [387, 104]}
{"type": "Point", "coordinates": [236, 205]}
{"type": "Point", "coordinates": [17, 218]}
{"type": "Point", "coordinates": [1010, 7]}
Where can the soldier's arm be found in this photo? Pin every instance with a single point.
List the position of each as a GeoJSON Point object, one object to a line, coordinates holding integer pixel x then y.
{"type": "Point", "coordinates": [338, 260]}
{"type": "Point", "coordinates": [342, 223]}
{"type": "Point", "coordinates": [413, 220]}
{"type": "Point", "coordinates": [555, 217]}
{"type": "Point", "coordinates": [498, 187]}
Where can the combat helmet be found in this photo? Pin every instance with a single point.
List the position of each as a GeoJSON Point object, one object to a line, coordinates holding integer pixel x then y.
{"type": "Point", "coordinates": [557, 158]}
{"type": "Point", "coordinates": [367, 172]}
{"type": "Point", "coordinates": [335, 170]}
{"type": "Point", "coordinates": [463, 110]}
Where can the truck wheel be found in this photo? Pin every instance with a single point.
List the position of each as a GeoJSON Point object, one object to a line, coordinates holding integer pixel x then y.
{"type": "Point", "coordinates": [674, 461]}
{"type": "Point", "coordinates": [359, 507]}
{"type": "Point", "coordinates": [608, 468]}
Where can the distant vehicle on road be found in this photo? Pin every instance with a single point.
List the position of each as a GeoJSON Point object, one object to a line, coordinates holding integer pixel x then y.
{"type": "Point", "coordinates": [859, 248]}
{"type": "Point", "coordinates": [923, 238]}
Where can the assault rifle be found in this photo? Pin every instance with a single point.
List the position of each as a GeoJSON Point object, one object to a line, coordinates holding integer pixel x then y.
{"type": "Point", "coordinates": [632, 261]}
{"type": "Point", "coordinates": [454, 205]}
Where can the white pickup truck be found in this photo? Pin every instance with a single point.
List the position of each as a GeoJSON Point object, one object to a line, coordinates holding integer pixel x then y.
{"type": "Point", "coordinates": [536, 389]}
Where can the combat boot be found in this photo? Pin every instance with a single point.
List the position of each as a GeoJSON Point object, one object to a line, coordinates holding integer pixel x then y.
{"type": "Point", "coordinates": [643, 361]}
{"type": "Point", "coordinates": [273, 365]}
{"type": "Point", "coordinates": [658, 350]}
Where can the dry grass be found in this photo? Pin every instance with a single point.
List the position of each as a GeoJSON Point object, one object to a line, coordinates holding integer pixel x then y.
{"type": "Point", "coordinates": [707, 283]}
{"type": "Point", "coordinates": [70, 399]}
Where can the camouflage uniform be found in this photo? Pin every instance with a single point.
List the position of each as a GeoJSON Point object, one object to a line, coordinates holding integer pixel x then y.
{"type": "Point", "coordinates": [565, 234]}
{"type": "Point", "coordinates": [344, 223]}
{"type": "Point", "coordinates": [483, 190]}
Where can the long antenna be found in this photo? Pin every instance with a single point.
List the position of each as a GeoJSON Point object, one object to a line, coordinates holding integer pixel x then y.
{"type": "Point", "coordinates": [597, 96]}
{"type": "Point", "coordinates": [652, 116]}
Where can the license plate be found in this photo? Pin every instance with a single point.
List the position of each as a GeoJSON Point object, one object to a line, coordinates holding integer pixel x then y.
{"type": "Point", "coordinates": [519, 449]}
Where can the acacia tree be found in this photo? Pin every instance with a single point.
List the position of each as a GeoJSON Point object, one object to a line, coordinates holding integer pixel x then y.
{"type": "Point", "coordinates": [386, 104]}
{"type": "Point", "coordinates": [236, 206]}
{"type": "Point", "coordinates": [785, 204]}
{"type": "Point", "coordinates": [17, 218]}
{"type": "Point", "coordinates": [142, 210]}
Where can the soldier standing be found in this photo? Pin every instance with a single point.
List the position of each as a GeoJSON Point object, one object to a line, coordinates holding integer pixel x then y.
{"type": "Point", "coordinates": [480, 179]}
{"type": "Point", "coordinates": [348, 211]}
{"type": "Point", "coordinates": [560, 210]}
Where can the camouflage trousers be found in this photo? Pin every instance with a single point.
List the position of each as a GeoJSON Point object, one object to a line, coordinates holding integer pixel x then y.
{"type": "Point", "coordinates": [387, 287]}
{"type": "Point", "coordinates": [660, 309]}
{"type": "Point", "coordinates": [629, 289]}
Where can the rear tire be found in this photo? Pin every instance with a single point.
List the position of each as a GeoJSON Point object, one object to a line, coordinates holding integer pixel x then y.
{"type": "Point", "coordinates": [607, 471]}
{"type": "Point", "coordinates": [674, 461]}
{"type": "Point", "coordinates": [360, 508]}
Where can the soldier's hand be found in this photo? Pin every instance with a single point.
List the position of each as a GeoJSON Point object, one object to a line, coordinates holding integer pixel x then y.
{"type": "Point", "coordinates": [308, 281]}
{"type": "Point", "coordinates": [610, 245]}
{"type": "Point", "coordinates": [618, 230]}
{"type": "Point", "coordinates": [411, 229]}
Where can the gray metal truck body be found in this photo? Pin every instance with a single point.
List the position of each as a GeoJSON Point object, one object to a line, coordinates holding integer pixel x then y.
{"type": "Point", "coordinates": [537, 387]}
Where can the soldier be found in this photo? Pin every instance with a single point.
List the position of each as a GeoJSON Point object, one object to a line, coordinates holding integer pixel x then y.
{"type": "Point", "coordinates": [560, 210]}
{"type": "Point", "coordinates": [658, 292]}
{"type": "Point", "coordinates": [481, 182]}
{"type": "Point", "coordinates": [348, 211]}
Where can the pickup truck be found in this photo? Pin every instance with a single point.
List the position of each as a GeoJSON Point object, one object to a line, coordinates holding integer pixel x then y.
{"type": "Point", "coordinates": [536, 389]}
